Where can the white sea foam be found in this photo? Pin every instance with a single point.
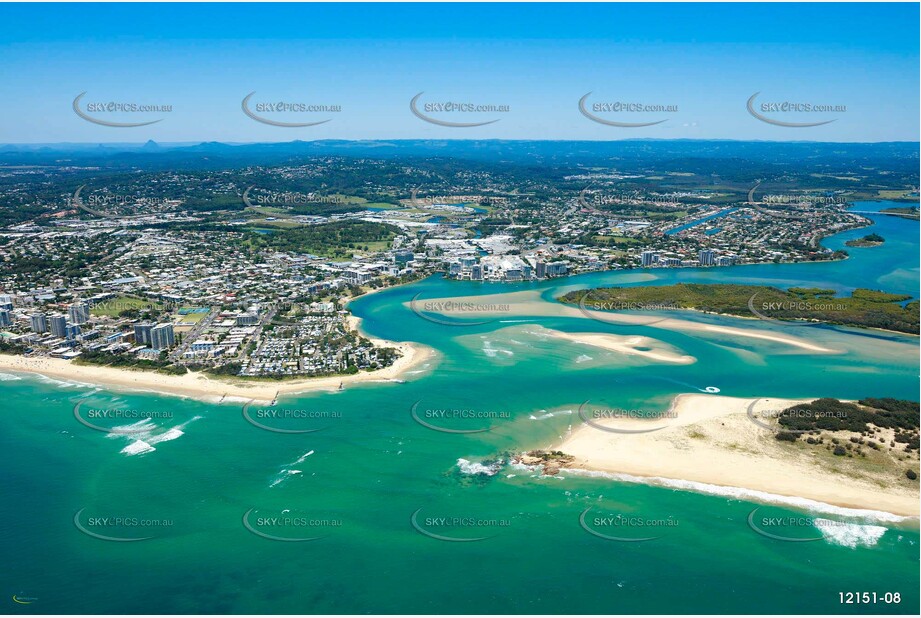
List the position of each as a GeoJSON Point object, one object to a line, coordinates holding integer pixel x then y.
{"type": "Point", "coordinates": [287, 472]}
{"type": "Point", "coordinates": [140, 429]}
{"type": "Point", "coordinates": [583, 358]}
{"type": "Point", "coordinates": [145, 433]}
{"type": "Point", "coordinates": [547, 415]}
{"type": "Point", "coordinates": [751, 495]}
{"type": "Point", "coordinates": [301, 458]}
{"type": "Point", "coordinates": [137, 448]}
{"type": "Point", "coordinates": [233, 399]}
{"type": "Point", "coordinates": [166, 436]}
{"type": "Point", "coordinates": [65, 383]}
{"type": "Point", "coordinates": [473, 467]}
{"type": "Point", "coordinates": [8, 377]}
{"type": "Point", "coordinates": [283, 475]}
{"type": "Point", "coordinates": [523, 467]}
{"type": "Point", "coordinates": [849, 534]}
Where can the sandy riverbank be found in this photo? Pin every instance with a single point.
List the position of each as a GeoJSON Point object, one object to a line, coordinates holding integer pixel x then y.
{"type": "Point", "coordinates": [710, 439]}
{"type": "Point", "coordinates": [504, 306]}
{"type": "Point", "coordinates": [200, 386]}
{"type": "Point", "coordinates": [629, 345]}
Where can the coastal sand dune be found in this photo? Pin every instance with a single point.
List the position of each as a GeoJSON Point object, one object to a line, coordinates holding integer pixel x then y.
{"type": "Point", "coordinates": [529, 304]}
{"type": "Point", "coordinates": [710, 439]}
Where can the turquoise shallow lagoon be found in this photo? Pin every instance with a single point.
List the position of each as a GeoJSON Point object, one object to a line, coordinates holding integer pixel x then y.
{"type": "Point", "coordinates": [373, 488]}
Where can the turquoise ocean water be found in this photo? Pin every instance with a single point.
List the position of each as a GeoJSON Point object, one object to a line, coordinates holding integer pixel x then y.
{"type": "Point", "coordinates": [374, 489]}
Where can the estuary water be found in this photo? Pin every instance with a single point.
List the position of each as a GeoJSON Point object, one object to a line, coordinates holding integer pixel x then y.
{"type": "Point", "coordinates": [371, 511]}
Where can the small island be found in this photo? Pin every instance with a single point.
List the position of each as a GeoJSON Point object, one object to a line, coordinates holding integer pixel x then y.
{"type": "Point", "coordinates": [870, 240]}
{"type": "Point", "coordinates": [910, 212]}
{"type": "Point", "coordinates": [864, 308]}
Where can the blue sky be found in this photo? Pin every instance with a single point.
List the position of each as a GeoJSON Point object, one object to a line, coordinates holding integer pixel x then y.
{"type": "Point", "coordinates": [706, 60]}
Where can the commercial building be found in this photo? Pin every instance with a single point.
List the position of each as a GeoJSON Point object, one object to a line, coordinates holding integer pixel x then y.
{"type": "Point", "coordinates": [356, 277]}
{"type": "Point", "coordinates": [403, 257]}
{"type": "Point", "coordinates": [247, 319]}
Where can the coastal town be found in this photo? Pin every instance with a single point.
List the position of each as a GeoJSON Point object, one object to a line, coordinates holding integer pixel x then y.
{"type": "Point", "coordinates": [244, 281]}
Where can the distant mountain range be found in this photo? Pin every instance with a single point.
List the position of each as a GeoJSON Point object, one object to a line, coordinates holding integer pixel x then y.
{"type": "Point", "coordinates": [217, 154]}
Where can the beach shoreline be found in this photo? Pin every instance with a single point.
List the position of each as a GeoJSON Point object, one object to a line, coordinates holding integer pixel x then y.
{"type": "Point", "coordinates": [198, 385]}
{"type": "Point", "coordinates": [710, 440]}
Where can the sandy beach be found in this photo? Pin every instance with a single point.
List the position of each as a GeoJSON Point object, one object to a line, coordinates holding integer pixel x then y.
{"type": "Point", "coordinates": [710, 439]}
{"type": "Point", "coordinates": [200, 386]}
